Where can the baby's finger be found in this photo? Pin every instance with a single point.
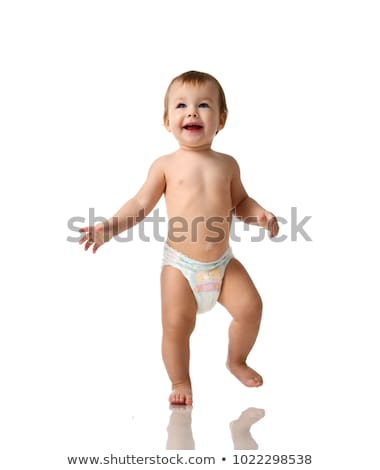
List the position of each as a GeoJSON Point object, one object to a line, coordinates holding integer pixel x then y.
{"type": "Point", "coordinates": [270, 227]}
{"type": "Point", "coordinates": [88, 244]}
{"type": "Point", "coordinates": [95, 248]}
{"type": "Point", "coordinates": [83, 239]}
{"type": "Point", "coordinates": [84, 229]}
{"type": "Point", "coordinates": [262, 220]}
{"type": "Point", "coordinates": [274, 228]}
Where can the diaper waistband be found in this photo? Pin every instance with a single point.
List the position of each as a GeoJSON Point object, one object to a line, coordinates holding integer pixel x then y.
{"type": "Point", "coordinates": [172, 255]}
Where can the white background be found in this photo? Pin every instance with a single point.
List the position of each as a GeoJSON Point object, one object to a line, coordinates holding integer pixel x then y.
{"type": "Point", "coordinates": [82, 87]}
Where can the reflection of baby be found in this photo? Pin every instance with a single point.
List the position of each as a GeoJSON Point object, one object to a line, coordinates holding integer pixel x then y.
{"type": "Point", "coordinates": [240, 429]}
{"type": "Point", "coordinates": [180, 435]}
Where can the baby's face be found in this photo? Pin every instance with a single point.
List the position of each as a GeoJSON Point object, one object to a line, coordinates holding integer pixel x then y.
{"type": "Point", "coordinates": [193, 114]}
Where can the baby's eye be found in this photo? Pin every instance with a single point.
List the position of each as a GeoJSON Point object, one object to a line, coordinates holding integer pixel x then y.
{"type": "Point", "coordinates": [181, 105]}
{"type": "Point", "coordinates": [204, 105]}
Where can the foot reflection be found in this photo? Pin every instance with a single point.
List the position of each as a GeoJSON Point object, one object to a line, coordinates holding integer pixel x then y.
{"type": "Point", "coordinates": [180, 434]}
{"type": "Point", "coordinates": [240, 429]}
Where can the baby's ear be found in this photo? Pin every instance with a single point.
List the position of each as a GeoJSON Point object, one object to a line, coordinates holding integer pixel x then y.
{"type": "Point", "coordinates": [222, 121]}
{"type": "Point", "coordinates": [167, 125]}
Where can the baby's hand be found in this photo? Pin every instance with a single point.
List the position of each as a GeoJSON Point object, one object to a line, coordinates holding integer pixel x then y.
{"type": "Point", "coordinates": [96, 235]}
{"type": "Point", "coordinates": [269, 221]}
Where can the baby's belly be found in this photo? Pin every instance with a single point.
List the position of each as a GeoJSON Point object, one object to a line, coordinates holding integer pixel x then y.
{"type": "Point", "coordinates": [201, 238]}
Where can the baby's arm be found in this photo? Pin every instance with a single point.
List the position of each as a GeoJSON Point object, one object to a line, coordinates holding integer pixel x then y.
{"type": "Point", "coordinates": [247, 209]}
{"type": "Point", "coordinates": [132, 212]}
{"type": "Point", "coordinates": [137, 208]}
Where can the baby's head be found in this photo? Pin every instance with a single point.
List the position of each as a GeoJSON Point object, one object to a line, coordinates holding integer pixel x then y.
{"type": "Point", "coordinates": [197, 79]}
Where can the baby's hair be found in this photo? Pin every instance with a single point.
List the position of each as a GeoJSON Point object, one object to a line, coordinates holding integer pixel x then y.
{"type": "Point", "coordinates": [197, 78]}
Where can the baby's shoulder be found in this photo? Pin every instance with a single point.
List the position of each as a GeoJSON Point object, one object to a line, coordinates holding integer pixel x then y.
{"type": "Point", "coordinates": [227, 159]}
{"type": "Point", "coordinates": [162, 162]}
{"type": "Point", "coordinates": [169, 161]}
{"type": "Point", "coordinates": [165, 159]}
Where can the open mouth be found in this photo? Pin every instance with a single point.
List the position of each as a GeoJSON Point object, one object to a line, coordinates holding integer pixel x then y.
{"type": "Point", "coordinates": [192, 127]}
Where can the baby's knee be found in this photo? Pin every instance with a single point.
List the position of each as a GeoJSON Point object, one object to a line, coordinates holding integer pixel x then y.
{"type": "Point", "coordinates": [178, 324]}
{"type": "Point", "coordinates": [251, 310]}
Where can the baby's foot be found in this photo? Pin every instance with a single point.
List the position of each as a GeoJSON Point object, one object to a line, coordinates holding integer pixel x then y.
{"type": "Point", "coordinates": [245, 374]}
{"type": "Point", "coordinates": [181, 395]}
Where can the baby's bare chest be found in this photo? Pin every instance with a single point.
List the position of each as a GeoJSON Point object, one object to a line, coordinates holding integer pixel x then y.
{"type": "Point", "coordinates": [200, 178]}
{"type": "Point", "coordinates": [200, 182]}
{"type": "Point", "coordinates": [202, 192]}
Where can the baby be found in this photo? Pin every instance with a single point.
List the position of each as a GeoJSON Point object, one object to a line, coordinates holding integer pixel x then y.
{"type": "Point", "coordinates": [203, 191]}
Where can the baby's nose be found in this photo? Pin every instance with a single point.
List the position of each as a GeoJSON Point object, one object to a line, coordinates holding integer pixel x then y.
{"type": "Point", "coordinates": [192, 113]}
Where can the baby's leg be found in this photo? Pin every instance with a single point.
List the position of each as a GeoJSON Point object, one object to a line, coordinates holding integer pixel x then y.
{"type": "Point", "coordinates": [240, 297]}
{"type": "Point", "coordinates": [178, 320]}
